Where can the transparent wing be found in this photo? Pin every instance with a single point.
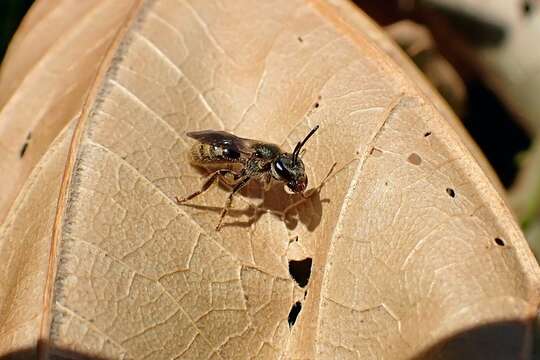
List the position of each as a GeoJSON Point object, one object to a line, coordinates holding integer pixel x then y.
{"type": "Point", "coordinates": [224, 139]}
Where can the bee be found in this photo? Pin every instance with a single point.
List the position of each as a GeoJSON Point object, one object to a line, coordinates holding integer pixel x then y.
{"type": "Point", "coordinates": [241, 160]}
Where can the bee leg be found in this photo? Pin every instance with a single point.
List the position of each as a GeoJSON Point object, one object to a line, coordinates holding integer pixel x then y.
{"type": "Point", "coordinates": [241, 183]}
{"type": "Point", "coordinates": [307, 194]}
{"type": "Point", "coordinates": [209, 181]}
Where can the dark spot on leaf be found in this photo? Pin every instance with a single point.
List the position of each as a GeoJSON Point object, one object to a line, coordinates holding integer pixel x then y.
{"type": "Point", "coordinates": [25, 145]}
{"type": "Point", "coordinates": [375, 152]}
{"type": "Point", "coordinates": [427, 134]}
{"type": "Point", "coordinates": [499, 241]}
{"type": "Point", "coordinates": [318, 102]}
{"type": "Point", "coordinates": [300, 271]}
{"type": "Point", "coordinates": [293, 314]}
{"type": "Point", "coordinates": [414, 159]}
{"type": "Point", "coordinates": [451, 192]}
{"type": "Point", "coordinates": [23, 149]}
{"type": "Point", "coordinates": [293, 239]}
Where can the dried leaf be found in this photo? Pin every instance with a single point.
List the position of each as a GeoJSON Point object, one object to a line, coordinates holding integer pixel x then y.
{"type": "Point", "coordinates": [407, 251]}
{"type": "Point", "coordinates": [44, 80]}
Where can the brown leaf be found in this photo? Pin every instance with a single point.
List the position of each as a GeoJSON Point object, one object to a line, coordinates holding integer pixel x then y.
{"type": "Point", "coordinates": [407, 251]}
{"type": "Point", "coordinates": [45, 78]}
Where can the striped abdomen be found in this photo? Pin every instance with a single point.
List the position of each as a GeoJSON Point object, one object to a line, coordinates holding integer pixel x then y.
{"type": "Point", "coordinates": [208, 154]}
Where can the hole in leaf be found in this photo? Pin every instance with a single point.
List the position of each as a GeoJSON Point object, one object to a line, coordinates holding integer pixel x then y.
{"type": "Point", "coordinates": [25, 145]}
{"type": "Point", "coordinates": [451, 192]}
{"type": "Point", "coordinates": [318, 102]}
{"type": "Point", "coordinates": [300, 271]}
{"type": "Point", "coordinates": [427, 134]}
{"type": "Point", "coordinates": [23, 149]}
{"type": "Point", "coordinates": [293, 314]}
{"type": "Point", "coordinates": [499, 241]}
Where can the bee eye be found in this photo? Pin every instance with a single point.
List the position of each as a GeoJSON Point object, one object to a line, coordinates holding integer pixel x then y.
{"type": "Point", "coordinates": [281, 170]}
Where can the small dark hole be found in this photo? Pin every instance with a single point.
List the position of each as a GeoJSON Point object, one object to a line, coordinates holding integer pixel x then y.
{"type": "Point", "coordinates": [316, 105]}
{"type": "Point", "coordinates": [499, 241]}
{"type": "Point", "coordinates": [23, 149]}
{"type": "Point", "coordinates": [451, 192]}
{"type": "Point", "coordinates": [293, 314]}
{"type": "Point", "coordinates": [427, 134]}
{"type": "Point", "coordinates": [300, 39]}
{"type": "Point", "coordinates": [300, 271]}
{"type": "Point", "coordinates": [526, 7]}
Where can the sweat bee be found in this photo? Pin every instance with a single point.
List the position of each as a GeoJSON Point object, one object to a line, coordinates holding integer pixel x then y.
{"type": "Point", "coordinates": [241, 160]}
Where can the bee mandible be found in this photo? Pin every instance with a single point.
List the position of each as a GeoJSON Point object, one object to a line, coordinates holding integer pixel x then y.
{"type": "Point", "coordinates": [241, 160]}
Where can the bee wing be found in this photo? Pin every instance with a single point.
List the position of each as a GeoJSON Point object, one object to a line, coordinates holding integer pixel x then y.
{"type": "Point", "coordinates": [224, 139]}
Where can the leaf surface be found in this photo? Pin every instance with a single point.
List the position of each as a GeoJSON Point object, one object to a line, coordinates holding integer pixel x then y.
{"type": "Point", "coordinates": [412, 248]}
{"type": "Point", "coordinates": [45, 78]}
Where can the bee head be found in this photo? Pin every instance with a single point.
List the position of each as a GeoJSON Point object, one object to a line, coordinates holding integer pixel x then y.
{"type": "Point", "coordinates": [289, 168]}
{"type": "Point", "coordinates": [291, 173]}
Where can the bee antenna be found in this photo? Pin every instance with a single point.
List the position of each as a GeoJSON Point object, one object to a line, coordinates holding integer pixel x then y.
{"type": "Point", "coordinates": [298, 147]}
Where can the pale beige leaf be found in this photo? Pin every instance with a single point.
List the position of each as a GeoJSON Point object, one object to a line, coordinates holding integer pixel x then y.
{"type": "Point", "coordinates": [414, 253]}
{"type": "Point", "coordinates": [25, 249]}
{"type": "Point", "coordinates": [365, 25]}
{"type": "Point", "coordinates": [45, 77]}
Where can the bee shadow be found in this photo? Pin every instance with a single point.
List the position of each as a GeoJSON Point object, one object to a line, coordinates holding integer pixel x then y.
{"type": "Point", "coordinates": [291, 209]}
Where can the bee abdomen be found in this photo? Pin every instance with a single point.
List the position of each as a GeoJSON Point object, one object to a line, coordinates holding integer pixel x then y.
{"type": "Point", "coordinates": [202, 153]}
{"type": "Point", "coordinates": [206, 153]}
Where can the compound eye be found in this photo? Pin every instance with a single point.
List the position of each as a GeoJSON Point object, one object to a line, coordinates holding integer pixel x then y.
{"type": "Point", "coordinates": [281, 170]}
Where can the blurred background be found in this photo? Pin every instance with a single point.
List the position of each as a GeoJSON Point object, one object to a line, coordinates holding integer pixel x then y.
{"type": "Point", "coordinates": [11, 14]}
{"type": "Point", "coordinates": [483, 58]}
